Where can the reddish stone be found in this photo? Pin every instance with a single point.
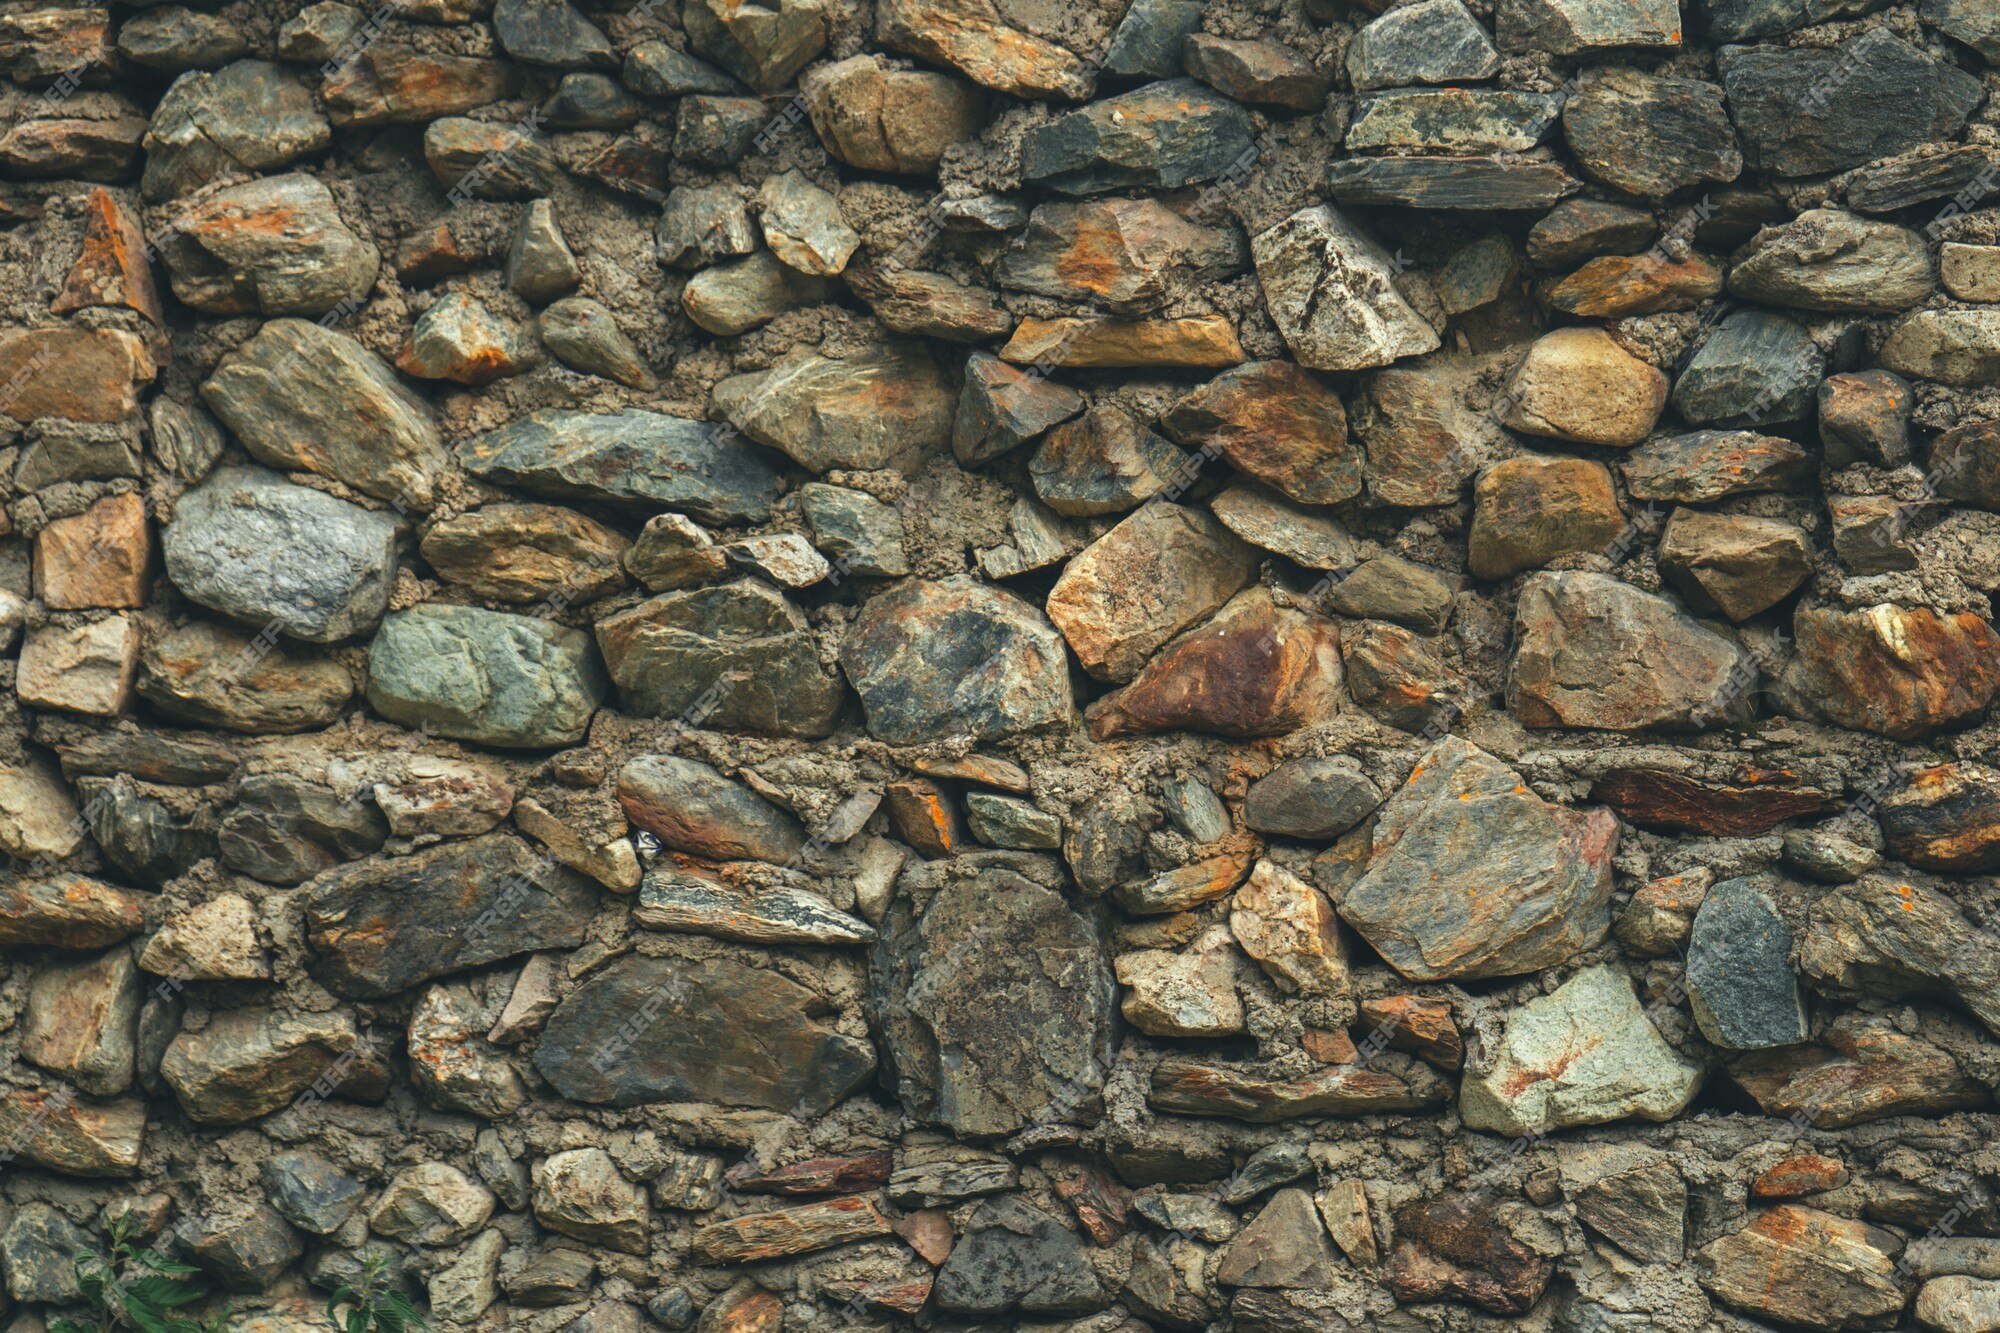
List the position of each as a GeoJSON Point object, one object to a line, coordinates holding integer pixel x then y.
{"type": "Point", "coordinates": [1098, 1202]}
{"type": "Point", "coordinates": [897, 1297]}
{"type": "Point", "coordinates": [386, 84]}
{"type": "Point", "coordinates": [1801, 1266]}
{"type": "Point", "coordinates": [819, 1175]}
{"type": "Point", "coordinates": [1808, 1173]}
{"type": "Point", "coordinates": [1616, 286]}
{"type": "Point", "coordinates": [928, 1232]}
{"type": "Point", "coordinates": [1898, 671]}
{"type": "Point", "coordinates": [102, 557]}
{"type": "Point", "coordinates": [1454, 1249]}
{"type": "Point", "coordinates": [89, 375]}
{"type": "Point", "coordinates": [924, 817]}
{"type": "Point", "coordinates": [1654, 798]}
{"type": "Point", "coordinates": [1946, 819]}
{"type": "Point", "coordinates": [1279, 424]}
{"type": "Point", "coordinates": [1186, 1085]}
{"type": "Point", "coordinates": [1397, 676]}
{"type": "Point", "coordinates": [744, 1309]}
{"type": "Point", "coordinates": [1255, 669]}
{"type": "Point", "coordinates": [1860, 1069]}
{"type": "Point", "coordinates": [754, 1237]}
{"type": "Point", "coordinates": [112, 268]}
{"type": "Point", "coordinates": [54, 1130]}
{"type": "Point", "coordinates": [1329, 1046]}
{"type": "Point", "coordinates": [1413, 1023]}
{"type": "Point", "coordinates": [437, 253]}
{"type": "Point", "coordinates": [68, 912]}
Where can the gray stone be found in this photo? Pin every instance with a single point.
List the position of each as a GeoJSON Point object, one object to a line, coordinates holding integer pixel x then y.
{"type": "Point", "coordinates": [955, 658]}
{"type": "Point", "coordinates": [1650, 137]}
{"type": "Point", "coordinates": [1572, 27]}
{"type": "Point", "coordinates": [485, 676]}
{"type": "Point", "coordinates": [693, 808]}
{"type": "Point", "coordinates": [580, 1193]}
{"type": "Point", "coordinates": [303, 397]}
{"type": "Point", "coordinates": [765, 46]}
{"type": "Point", "coordinates": [173, 40]}
{"type": "Point", "coordinates": [1463, 184]}
{"type": "Point", "coordinates": [272, 554]}
{"type": "Point", "coordinates": [1331, 290]}
{"type": "Point", "coordinates": [432, 1203]}
{"type": "Point", "coordinates": [1631, 1194]}
{"type": "Point", "coordinates": [1016, 1257]}
{"type": "Point", "coordinates": [38, 1250]}
{"type": "Point", "coordinates": [717, 131]}
{"type": "Point", "coordinates": [1968, 21]}
{"type": "Point", "coordinates": [1261, 73]}
{"type": "Point", "coordinates": [1810, 111]}
{"type": "Point", "coordinates": [540, 266]}
{"type": "Point", "coordinates": [310, 1192]}
{"type": "Point", "coordinates": [632, 459]}
{"type": "Point", "coordinates": [1959, 347]}
{"type": "Point", "coordinates": [1001, 407]}
{"type": "Point", "coordinates": [377, 928]}
{"type": "Point", "coordinates": [1284, 1246]}
{"type": "Point", "coordinates": [732, 299]}
{"type": "Point", "coordinates": [185, 438]}
{"type": "Point", "coordinates": [1739, 970]}
{"type": "Point", "coordinates": [734, 656]}
{"type": "Point", "coordinates": [1829, 260]}
{"type": "Point", "coordinates": [1889, 937]}
{"type": "Point", "coordinates": [699, 1031]}
{"type": "Point", "coordinates": [551, 33]}
{"type": "Point", "coordinates": [1608, 1060]}
{"type": "Point", "coordinates": [1006, 821]}
{"type": "Point", "coordinates": [1311, 798]}
{"type": "Point", "coordinates": [589, 101]}
{"type": "Point", "coordinates": [887, 406]}
{"type": "Point", "coordinates": [242, 120]}
{"type": "Point", "coordinates": [1755, 369]}
{"type": "Point", "coordinates": [584, 336]}
{"type": "Point", "coordinates": [1147, 40]}
{"type": "Point", "coordinates": [803, 227]}
{"type": "Point", "coordinates": [245, 1248]}
{"type": "Point", "coordinates": [993, 996]}
{"type": "Point", "coordinates": [862, 534]}
{"type": "Point", "coordinates": [1399, 591]}
{"type": "Point", "coordinates": [248, 1063]}
{"type": "Point", "coordinates": [1433, 41]}
{"type": "Point", "coordinates": [700, 224]}
{"type": "Point", "coordinates": [1162, 136]}
{"type": "Point", "coordinates": [273, 246]}
{"type": "Point", "coordinates": [1593, 651]}
{"type": "Point", "coordinates": [284, 830]}
{"type": "Point", "coordinates": [654, 69]}
{"type": "Point", "coordinates": [1270, 522]}
{"type": "Point", "coordinates": [1452, 120]}
{"type": "Point", "coordinates": [479, 159]}
{"type": "Point", "coordinates": [1960, 1304]}
{"type": "Point", "coordinates": [1474, 876]}
{"type": "Point", "coordinates": [691, 904]}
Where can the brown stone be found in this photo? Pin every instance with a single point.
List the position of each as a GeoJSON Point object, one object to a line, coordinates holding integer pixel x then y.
{"type": "Point", "coordinates": [927, 305]}
{"type": "Point", "coordinates": [816, 1175]}
{"type": "Point", "coordinates": [527, 553]}
{"type": "Point", "coordinates": [1658, 918]}
{"type": "Point", "coordinates": [744, 1308]}
{"type": "Point", "coordinates": [878, 118]}
{"type": "Point", "coordinates": [76, 374]}
{"type": "Point", "coordinates": [1898, 671]}
{"type": "Point", "coordinates": [1655, 798]}
{"type": "Point", "coordinates": [1161, 570]}
{"type": "Point", "coordinates": [1284, 1246]}
{"type": "Point", "coordinates": [112, 268]}
{"type": "Point", "coordinates": [1805, 1267]}
{"type": "Point", "coordinates": [1946, 819]}
{"type": "Point", "coordinates": [1806, 1173]}
{"type": "Point", "coordinates": [85, 668]}
{"type": "Point", "coordinates": [1578, 384]}
{"type": "Point", "coordinates": [1262, 73]}
{"type": "Point", "coordinates": [1860, 1069]}
{"type": "Point", "coordinates": [1087, 342]}
{"type": "Point", "coordinates": [1123, 255]}
{"type": "Point", "coordinates": [1417, 1024]}
{"type": "Point", "coordinates": [754, 1237]}
{"type": "Point", "coordinates": [1528, 511]}
{"type": "Point", "coordinates": [385, 83]}
{"type": "Point", "coordinates": [1255, 669]}
{"type": "Point", "coordinates": [928, 1232]}
{"type": "Point", "coordinates": [1098, 1202]}
{"type": "Point", "coordinates": [1734, 563]}
{"type": "Point", "coordinates": [1648, 283]}
{"type": "Point", "coordinates": [924, 817]}
{"type": "Point", "coordinates": [1350, 1220]}
{"type": "Point", "coordinates": [1396, 675]}
{"type": "Point", "coordinates": [1290, 929]}
{"type": "Point", "coordinates": [1106, 462]}
{"type": "Point", "coordinates": [1187, 886]}
{"type": "Point", "coordinates": [1706, 465]}
{"type": "Point", "coordinates": [102, 557]}
{"type": "Point", "coordinates": [1278, 423]}
{"type": "Point", "coordinates": [68, 912]}
{"type": "Point", "coordinates": [56, 1131]}
{"type": "Point", "coordinates": [222, 676]}
{"type": "Point", "coordinates": [1413, 426]}
{"type": "Point", "coordinates": [974, 38]}
{"type": "Point", "coordinates": [1189, 1085]}
{"type": "Point", "coordinates": [1455, 1249]}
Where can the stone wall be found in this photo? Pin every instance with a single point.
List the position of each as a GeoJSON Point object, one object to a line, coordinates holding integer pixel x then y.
{"type": "Point", "coordinates": [974, 664]}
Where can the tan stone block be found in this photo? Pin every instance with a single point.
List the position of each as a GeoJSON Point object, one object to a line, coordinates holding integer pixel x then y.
{"type": "Point", "coordinates": [80, 668]}
{"type": "Point", "coordinates": [101, 558]}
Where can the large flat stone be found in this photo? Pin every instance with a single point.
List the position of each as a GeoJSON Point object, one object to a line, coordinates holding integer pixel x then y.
{"type": "Point", "coordinates": [517, 681]}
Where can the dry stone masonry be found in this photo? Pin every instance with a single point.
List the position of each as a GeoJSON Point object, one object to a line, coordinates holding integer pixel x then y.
{"type": "Point", "coordinates": [1268, 666]}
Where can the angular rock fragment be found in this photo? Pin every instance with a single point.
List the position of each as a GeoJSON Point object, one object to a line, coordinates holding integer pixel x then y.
{"type": "Point", "coordinates": [1592, 651]}
{"type": "Point", "coordinates": [1332, 292]}
{"type": "Point", "coordinates": [734, 656]}
{"type": "Point", "coordinates": [1755, 368]}
{"type": "Point", "coordinates": [461, 340]}
{"type": "Point", "coordinates": [111, 268]}
{"type": "Point", "coordinates": [1284, 1246]}
{"type": "Point", "coordinates": [1706, 465]}
{"type": "Point", "coordinates": [699, 1031]}
{"type": "Point", "coordinates": [1649, 136]}
{"type": "Point", "coordinates": [55, 1131]}
{"type": "Point", "coordinates": [273, 246]}
{"type": "Point", "coordinates": [1290, 929]}
{"type": "Point", "coordinates": [1572, 27]}
{"type": "Point", "coordinates": [1454, 1248]}
{"type": "Point", "coordinates": [83, 668]}
{"type": "Point", "coordinates": [1829, 260]}
{"type": "Point", "coordinates": [526, 553]}
{"type": "Point", "coordinates": [1455, 121]}
{"type": "Point", "coordinates": [878, 118]}
{"type": "Point", "coordinates": [220, 676]}
{"type": "Point", "coordinates": [1280, 425]}
{"type": "Point", "coordinates": [1809, 111]}
{"type": "Point", "coordinates": [1630, 1194]}
{"type": "Point", "coordinates": [753, 1237]}
{"type": "Point", "coordinates": [1739, 970]}
{"type": "Point", "coordinates": [285, 830]}
{"type": "Point", "coordinates": [1190, 992]}
{"type": "Point", "coordinates": [250, 1062]}
{"type": "Point", "coordinates": [308, 398]}
{"type": "Point", "coordinates": [1584, 1054]}
{"type": "Point", "coordinates": [1859, 1069]}
{"type": "Point", "coordinates": [1272, 523]}
{"type": "Point", "coordinates": [1253, 669]}
{"type": "Point", "coordinates": [476, 159]}
{"type": "Point", "coordinates": [1802, 1266]}
{"type": "Point", "coordinates": [1530, 510]}
{"type": "Point", "coordinates": [1311, 798]}
{"type": "Point", "coordinates": [1960, 347]}
{"type": "Point", "coordinates": [803, 227]}
{"type": "Point", "coordinates": [1104, 462]}
{"type": "Point", "coordinates": [693, 808]}
{"type": "Point", "coordinates": [1034, 1048]}
{"type": "Point", "coordinates": [777, 914]}
{"type": "Point", "coordinates": [1580, 229]}
{"type": "Point", "coordinates": [1016, 1257]}
{"type": "Point", "coordinates": [1736, 564]}
{"type": "Point", "coordinates": [931, 659]}
{"type": "Point", "coordinates": [1883, 936]}
{"type": "Point", "coordinates": [1463, 184]}
{"type": "Point", "coordinates": [1262, 73]}
{"type": "Point", "coordinates": [735, 298]}
{"type": "Point", "coordinates": [862, 534]}
{"type": "Point", "coordinates": [1414, 428]}
{"type": "Point", "coordinates": [1436, 41]}
{"type": "Point", "coordinates": [1162, 136]}
{"type": "Point", "coordinates": [1186, 1085]}
{"type": "Point", "coordinates": [381, 927]}
{"type": "Point", "coordinates": [268, 553]}
{"type": "Point", "coordinates": [1121, 254]}
{"type": "Point", "coordinates": [240, 120]}
{"type": "Point", "coordinates": [1151, 577]}
{"type": "Point", "coordinates": [1472, 876]}
{"type": "Point", "coordinates": [886, 407]}
{"type": "Point", "coordinates": [1897, 671]}
{"type": "Point", "coordinates": [66, 911]}
{"type": "Point", "coordinates": [485, 676]}
{"type": "Point", "coordinates": [1656, 798]}
{"type": "Point", "coordinates": [389, 83]}
{"type": "Point", "coordinates": [1643, 284]}
{"type": "Point", "coordinates": [79, 1022]}
{"type": "Point", "coordinates": [629, 459]}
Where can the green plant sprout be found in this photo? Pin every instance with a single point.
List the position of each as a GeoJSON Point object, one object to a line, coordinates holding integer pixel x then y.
{"type": "Point", "coordinates": [373, 1303]}
{"type": "Point", "coordinates": [136, 1287]}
